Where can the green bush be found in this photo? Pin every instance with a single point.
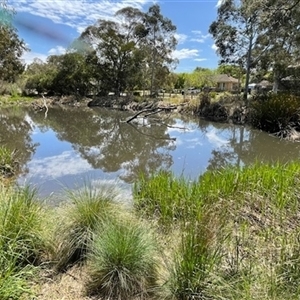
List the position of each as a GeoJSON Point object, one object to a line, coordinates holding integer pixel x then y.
{"type": "Point", "coordinates": [122, 262]}
{"type": "Point", "coordinates": [275, 112]}
{"type": "Point", "coordinates": [213, 95]}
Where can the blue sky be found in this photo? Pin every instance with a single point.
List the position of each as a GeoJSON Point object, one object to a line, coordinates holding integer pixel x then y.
{"type": "Point", "coordinates": [48, 26]}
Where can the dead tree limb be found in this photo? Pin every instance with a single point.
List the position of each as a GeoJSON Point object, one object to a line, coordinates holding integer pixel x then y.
{"type": "Point", "coordinates": [137, 114]}
{"type": "Point", "coordinates": [45, 104]}
{"type": "Point", "coordinates": [152, 112]}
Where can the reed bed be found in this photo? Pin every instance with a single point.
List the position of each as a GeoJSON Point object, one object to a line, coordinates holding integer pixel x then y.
{"type": "Point", "coordinates": [253, 240]}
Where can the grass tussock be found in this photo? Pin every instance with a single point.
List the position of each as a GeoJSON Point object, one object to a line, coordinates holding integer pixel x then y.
{"type": "Point", "coordinates": [122, 262]}
{"type": "Point", "coordinates": [23, 240]}
{"type": "Point", "coordinates": [196, 257]}
{"type": "Point", "coordinates": [89, 208]}
{"type": "Point", "coordinates": [22, 227]}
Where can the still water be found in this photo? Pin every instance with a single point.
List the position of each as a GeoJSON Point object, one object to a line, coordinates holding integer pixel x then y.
{"type": "Point", "coordinates": [70, 147]}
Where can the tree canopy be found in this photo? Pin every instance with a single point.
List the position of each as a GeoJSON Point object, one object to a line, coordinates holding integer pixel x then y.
{"type": "Point", "coordinates": [11, 47]}
{"type": "Point", "coordinates": [259, 35]}
{"type": "Point", "coordinates": [133, 51]}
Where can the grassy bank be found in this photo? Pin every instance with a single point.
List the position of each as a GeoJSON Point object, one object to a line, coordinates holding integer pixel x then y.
{"type": "Point", "coordinates": [231, 234]}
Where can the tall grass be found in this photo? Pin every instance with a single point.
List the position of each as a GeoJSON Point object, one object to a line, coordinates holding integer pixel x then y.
{"type": "Point", "coordinates": [89, 207]}
{"type": "Point", "coordinates": [197, 256]}
{"type": "Point", "coordinates": [14, 282]}
{"type": "Point", "coordinates": [23, 241]}
{"type": "Point", "coordinates": [169, 199]}
{"type": "Point", "coordinates": [122, 262]}
{"type": "Point", "coordinates": [257, 258]}
{"type": "Point", "coordinates": [21, 225]}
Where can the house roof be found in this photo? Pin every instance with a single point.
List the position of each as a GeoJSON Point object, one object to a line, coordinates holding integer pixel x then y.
{"type": "Point", "coordinates": [225, 78]}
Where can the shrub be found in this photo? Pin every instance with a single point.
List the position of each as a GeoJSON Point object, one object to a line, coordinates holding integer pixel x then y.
{"type": "Point", "coordinates": [213, 95]}
{"type": "Point", "coordinates": [275, 112]}
{"type": "Point", "coordinates": [205, 100]}
{"type": "Point", "coordinates": [122, 262]}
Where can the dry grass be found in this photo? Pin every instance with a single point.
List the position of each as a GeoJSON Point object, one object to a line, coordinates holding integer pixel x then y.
{"type": "Point", "coordinates": [65, 286]}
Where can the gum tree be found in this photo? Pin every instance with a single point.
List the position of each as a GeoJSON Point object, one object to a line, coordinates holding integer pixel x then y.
{"type": "Point", "coordinates": [235, 32]}
{"type": "Point", "coordinates": [11, 46]}
{"type": "Point", "coordinates": [279, 38]}
{"type": "Point", "coordinates": [160, 43]}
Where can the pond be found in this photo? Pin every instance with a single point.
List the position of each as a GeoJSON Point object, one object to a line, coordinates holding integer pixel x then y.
{"type": "Point", "coordinates": [72, 147]}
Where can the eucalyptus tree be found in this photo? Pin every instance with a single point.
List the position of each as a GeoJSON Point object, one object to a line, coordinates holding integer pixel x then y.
{"type": "Point", "coordinates": [113, 47]}
{"type": "Point", "coordinates": [160, 42]}
{"type": "Point", "coordinates": [73, 75]}
{"type": "Point", "coordinates": [235, 32]}
{"type": "Point", "coordinates": [279, 40]}
{"type": "Point", "coordinates": [258, 34]}
{"type": "Point", "coordinates": [11, 46]}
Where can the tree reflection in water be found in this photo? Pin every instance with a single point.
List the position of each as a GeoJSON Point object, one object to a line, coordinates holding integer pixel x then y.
{"type": "Point", "coordinates": [15, 134]}
{"type": "Point", "coordinates": [108, 143]}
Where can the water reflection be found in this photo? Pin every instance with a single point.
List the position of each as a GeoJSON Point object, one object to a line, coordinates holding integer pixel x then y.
{"type": "Point", "coordinates": [15, 133]}
{"type": "Point", "coordinates": [106, 142]}
{"type": "Point", "coordinates": [71, 145]}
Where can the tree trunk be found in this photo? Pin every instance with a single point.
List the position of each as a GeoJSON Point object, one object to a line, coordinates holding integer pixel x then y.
{"type": "Point", "coordinates": [153, 65]}
{"type": "Point", "coordinates": [276, 82]}
{"type": "Point", "coordinates": [248, 68]}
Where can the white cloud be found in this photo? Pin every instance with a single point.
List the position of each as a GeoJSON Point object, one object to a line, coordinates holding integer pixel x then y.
{"type": "Point", "coordinates": [214, 47]}
{"type": "Point", "coordinates": [185, 53]}
{"type": "Point", "coordinates": [198, 40]}
{"type": "Point", "coordinates": [58, 50]}
{"type": "Point", "coordinates": [215, 139]}
{"type": "Point", "coordinates": [77, 14]}
{"type": "Point", "coordinates": [200, 37]}
{"type": "Point", "coordinates": [180, 37]}
{"type": "Point", "coordinates": [28, 57]}
{"type": "Point", "coordinates": [200, 59]}
{"type": "Point", "coordinates": [219, 3]}
{"type": "Point", "coordinates": [67, 163]}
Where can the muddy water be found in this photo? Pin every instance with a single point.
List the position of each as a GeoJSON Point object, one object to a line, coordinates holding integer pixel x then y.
{"type": "Point", "coordinates": [72, 147]}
